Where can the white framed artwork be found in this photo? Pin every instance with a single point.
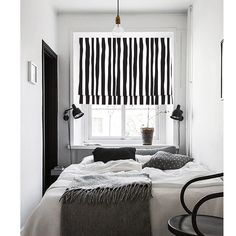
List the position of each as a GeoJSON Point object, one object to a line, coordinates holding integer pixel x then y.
{"type": "Point", "coordinates": [32, 73]}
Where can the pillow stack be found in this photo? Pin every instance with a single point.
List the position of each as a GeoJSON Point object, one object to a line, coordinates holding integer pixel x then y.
{"type": "Point", "coordinates": [167, 161]}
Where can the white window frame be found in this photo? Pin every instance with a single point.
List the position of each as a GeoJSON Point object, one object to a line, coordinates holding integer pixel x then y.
{"type": "Point", "coordinates": [159, 126]}
{"type": "Point", "coordinates": [84, 123]}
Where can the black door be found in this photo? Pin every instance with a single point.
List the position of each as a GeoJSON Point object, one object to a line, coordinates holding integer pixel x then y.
{"type": "Point", "coordinates": [50, 110]}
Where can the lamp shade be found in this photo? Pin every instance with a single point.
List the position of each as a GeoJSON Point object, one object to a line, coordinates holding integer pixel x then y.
{"type": "Point", "coordinates": [177, 114]}
{"type": "Point", "coordinates": [76, 112]}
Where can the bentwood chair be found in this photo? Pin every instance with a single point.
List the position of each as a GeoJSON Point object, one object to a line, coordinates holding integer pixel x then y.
{"type": "Point", "coordinates": [192, 224]}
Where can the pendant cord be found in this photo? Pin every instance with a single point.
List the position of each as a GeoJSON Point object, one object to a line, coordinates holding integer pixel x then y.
{"type": "Point", "coordinates": [118, 7]}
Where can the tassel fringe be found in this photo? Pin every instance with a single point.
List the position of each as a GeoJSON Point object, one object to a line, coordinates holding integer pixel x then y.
{"type": "Point", "coordinates": [130, 192]}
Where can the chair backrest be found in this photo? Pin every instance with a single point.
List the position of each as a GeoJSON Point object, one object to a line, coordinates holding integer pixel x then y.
{"type": "Point", "coordinates": [201, 201]}
{"type": "Point", "coordinates": [192, 181]}
{"type": "Point", "coordinates": [197, 206]}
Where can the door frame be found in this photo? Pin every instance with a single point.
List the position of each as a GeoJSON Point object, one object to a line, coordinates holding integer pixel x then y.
{"type": "Point", "coordinates": [46, 50]}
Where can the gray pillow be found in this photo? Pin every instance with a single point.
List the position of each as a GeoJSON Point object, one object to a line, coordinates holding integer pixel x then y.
{"type": "Point", "coordinates": [167, 161]}
{"type": "Point", "coordinates": [170, 149]}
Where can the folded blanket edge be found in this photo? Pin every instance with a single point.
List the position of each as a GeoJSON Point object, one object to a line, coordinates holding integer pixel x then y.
{"type": "Point", "coordinates": [129, 192]}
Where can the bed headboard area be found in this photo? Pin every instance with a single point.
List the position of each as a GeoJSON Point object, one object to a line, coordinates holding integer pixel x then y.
{"type": "Point", "coordinates": [152, 151]}
{"type": "Point", "coordinates": [82, 151]}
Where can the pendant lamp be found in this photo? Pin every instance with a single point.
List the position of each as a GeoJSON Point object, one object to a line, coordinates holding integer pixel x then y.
{"type": "Point", "coordinates": [118, 29]}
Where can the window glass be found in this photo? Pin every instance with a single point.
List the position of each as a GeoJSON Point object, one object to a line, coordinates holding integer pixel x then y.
{"type": "Point", "coordinates": [136, 119]}
{"type": "Point", "coordinates": [109, 120]}
{"type": "Point", "coordinates": [106, 122]}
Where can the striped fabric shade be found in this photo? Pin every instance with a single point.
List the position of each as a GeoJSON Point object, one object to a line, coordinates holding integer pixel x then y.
{"type": "Point", "coordinates": [129, 70]}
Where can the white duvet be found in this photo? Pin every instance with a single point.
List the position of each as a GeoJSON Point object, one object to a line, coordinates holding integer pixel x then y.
{"type": "Point", "coordinates": [166, 186]}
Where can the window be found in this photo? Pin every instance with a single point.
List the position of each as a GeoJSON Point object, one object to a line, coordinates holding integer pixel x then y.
{"type": "Point", "coordinates": [122, 123]}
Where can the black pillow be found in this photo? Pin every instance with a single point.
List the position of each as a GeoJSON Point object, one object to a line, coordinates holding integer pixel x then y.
{"type": "Point", "coordinates": [109, 154]}
{"type": "Point", "coordinates": [167, 161]}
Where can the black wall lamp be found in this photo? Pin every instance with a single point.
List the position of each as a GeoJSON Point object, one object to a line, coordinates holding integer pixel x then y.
{"type": "Point", "coordinates": [77, 113]}
{"type": "Point", "coordinates": [177, 114]}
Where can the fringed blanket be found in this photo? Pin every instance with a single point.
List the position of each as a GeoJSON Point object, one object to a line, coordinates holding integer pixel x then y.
{"type": "Point", "coordinates": [114, 204]}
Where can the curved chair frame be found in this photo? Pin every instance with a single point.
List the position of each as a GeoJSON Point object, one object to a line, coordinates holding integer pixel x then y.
{"type": "Point", "coordinates": [200, 202]}
{"type": "Point", "coordinates": [197, 206]}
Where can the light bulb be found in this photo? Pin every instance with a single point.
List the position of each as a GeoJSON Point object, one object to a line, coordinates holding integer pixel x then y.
{"type": "Point", "coordinates": [117, 30]}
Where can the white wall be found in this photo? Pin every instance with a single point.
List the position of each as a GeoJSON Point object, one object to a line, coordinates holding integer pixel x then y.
{"type": "Point", "coordinates": [68, 23]}
{"type": "Point", "coordinates": [38, 22]}
{"type": "Point", "coordinates": [207, 123]}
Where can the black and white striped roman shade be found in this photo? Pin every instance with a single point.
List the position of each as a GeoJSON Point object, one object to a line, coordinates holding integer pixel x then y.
{"type": "Point", "coordinates": [127, 70]}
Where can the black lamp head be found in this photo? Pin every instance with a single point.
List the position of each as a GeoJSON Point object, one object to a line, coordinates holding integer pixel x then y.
{"type": "Point", "coordinates": [177, 114]}
{"type": "Point", "coordinates": [76, 112]}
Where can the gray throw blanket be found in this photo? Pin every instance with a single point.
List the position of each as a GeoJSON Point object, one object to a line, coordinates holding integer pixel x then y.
{"type": "Point", "coordinates": [114, 204]}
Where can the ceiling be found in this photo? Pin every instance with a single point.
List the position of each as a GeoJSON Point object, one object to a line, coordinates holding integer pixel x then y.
{"type": "Point", "coordinates": [125, 5]}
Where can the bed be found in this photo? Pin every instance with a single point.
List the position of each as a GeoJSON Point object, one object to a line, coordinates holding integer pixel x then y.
{"type": "Point", "coordinates": [165, 203]}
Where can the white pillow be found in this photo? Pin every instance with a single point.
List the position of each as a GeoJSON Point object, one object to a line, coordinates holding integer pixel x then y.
{"type": "Point", "coordinates": [143, 158]}
{"type": "Point", "coordinates": [87, 160]}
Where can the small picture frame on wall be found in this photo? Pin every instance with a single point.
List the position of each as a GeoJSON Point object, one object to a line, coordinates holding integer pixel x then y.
{"type": "Point", "coordinates": [32, 73]}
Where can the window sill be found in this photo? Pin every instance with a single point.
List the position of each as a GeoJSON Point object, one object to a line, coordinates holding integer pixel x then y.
{"type": "Point", "coordinates": [137, 146]}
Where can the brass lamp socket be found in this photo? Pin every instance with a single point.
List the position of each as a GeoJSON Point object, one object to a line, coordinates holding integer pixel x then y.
{"type": "Point", "coordinates": [118, 20]}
